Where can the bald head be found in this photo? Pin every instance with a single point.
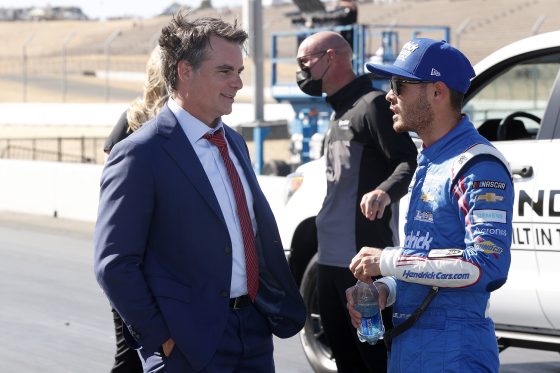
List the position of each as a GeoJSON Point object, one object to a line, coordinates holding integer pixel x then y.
{"type": "Point", "coordinates": [328, 56]}
{"type": "Point", "coordinates": [326, 40]}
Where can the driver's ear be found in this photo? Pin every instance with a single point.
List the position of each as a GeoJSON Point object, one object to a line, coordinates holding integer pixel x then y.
{"type": "Point", "coordinates": [440, 88]}
{"type": "Point", "coordinates": [440, 93]}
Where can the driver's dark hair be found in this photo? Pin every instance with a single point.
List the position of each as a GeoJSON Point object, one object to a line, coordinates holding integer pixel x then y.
{"type": "Point", "coordinates": [456, 100]}
{"type": "Point", "coordinates": [188, 40]}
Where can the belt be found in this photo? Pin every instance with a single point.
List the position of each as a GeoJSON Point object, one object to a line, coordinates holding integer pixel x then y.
{"type": "Point", "coordinates": [239, 302]}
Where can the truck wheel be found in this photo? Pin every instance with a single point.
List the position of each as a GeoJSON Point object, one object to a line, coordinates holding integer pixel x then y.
{"type": "Point", "coordinates": [313, 340]}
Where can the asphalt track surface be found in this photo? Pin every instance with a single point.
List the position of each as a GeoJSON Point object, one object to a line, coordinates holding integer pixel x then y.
{"type": "Point", "coordinates": [54, 317]}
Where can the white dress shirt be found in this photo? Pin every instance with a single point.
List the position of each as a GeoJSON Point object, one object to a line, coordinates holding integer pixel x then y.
{"type": "Point", "coordinates": [216, 171]}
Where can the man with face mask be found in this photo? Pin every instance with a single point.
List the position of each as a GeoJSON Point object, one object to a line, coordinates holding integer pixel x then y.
{"type": "Point", "coordinates": [369, 168]}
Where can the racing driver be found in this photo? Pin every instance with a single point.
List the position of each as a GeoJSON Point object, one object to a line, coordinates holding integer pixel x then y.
{"type": "Point", "coordinates": [458, 225]}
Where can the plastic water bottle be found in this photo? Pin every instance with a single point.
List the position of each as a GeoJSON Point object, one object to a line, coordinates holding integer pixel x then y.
{"type": "Point", "coordinates": [366, 302]}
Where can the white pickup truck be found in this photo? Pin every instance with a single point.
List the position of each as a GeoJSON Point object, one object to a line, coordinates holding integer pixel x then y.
{"type": "Point", "coordinates": [514, 101]}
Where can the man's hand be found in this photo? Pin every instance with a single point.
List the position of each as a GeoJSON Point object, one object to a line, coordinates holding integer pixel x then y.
{"type": "Point", "coordinates": [366, 264]}
{"type": "Point", "coordinates": [374, 203]}
{"type": "Point", "coordinates": [355, 316]}
{"type": "Point", "coordinates": [167, 347]}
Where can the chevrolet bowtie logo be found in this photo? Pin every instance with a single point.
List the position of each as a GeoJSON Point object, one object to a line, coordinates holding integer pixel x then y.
{"type": "Point", "coordinates": [489, 197]}
{"type": "Point", "coordinates": [427, 197]}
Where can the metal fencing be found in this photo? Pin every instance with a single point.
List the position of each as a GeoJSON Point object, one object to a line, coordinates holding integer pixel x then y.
{"type": "Point", "coordinates": [74, 61]}
{"type": "Point", "coordinates": [60, 149]}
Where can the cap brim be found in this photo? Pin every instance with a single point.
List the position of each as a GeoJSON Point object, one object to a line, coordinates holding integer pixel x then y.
{"type": "Point", "coordinates": [389, 71]}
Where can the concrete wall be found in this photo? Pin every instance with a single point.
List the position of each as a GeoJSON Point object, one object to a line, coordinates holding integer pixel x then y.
{"type": "Point", "coordinates": [50, 188]}
{"type": "Point", "coordinates": [71, 191]}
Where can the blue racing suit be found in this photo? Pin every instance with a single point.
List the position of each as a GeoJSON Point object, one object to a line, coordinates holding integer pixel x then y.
{"type": "Point", "coordinates": [457, 237]}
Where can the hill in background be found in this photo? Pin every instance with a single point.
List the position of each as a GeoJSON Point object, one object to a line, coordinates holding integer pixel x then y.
{"type": "Point", "coordinates": [65, 61]}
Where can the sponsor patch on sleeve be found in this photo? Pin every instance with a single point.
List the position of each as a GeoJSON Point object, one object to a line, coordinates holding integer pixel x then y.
{"type": "Point", "coordinates": [444, 253]}
{"type": "Point", "coordinates": [492, 184]}
{"type": "Point", "coordinates": [488, 247]}
{"type": "Point", "coordinates": [489, 216]}
{"type": "Point", "coordinates": [489, 197]}
{"type": "Point", "coordinates": [490, 231]}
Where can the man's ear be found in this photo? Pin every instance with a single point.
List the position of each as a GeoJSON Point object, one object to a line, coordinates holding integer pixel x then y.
{"type": "Point", "coordinates": [184, 70]}
{"type": "Point", "coordinates": [440, 90]}
{"type": "Point", "coordinates": [330, 54]}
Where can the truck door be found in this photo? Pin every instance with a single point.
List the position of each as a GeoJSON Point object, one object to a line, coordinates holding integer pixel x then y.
{"type": "Point", "coordinates": [546, 218]}
{"type": "Point", "coordinates": [507, 104]}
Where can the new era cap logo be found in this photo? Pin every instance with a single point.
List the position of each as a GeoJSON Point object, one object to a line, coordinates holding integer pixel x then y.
{"type": "Point", "coordinates": [435, 72]}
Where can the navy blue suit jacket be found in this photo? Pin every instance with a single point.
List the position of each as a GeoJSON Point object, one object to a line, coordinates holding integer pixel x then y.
{"type": "Point", "coordinates": [163, 252]}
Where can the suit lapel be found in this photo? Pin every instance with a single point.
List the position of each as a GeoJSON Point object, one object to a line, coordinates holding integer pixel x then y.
{"type": "Point", "coordinates": [180, 149]}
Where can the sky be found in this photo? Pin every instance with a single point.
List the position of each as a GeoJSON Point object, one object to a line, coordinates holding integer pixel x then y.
{"type": "Point", "coordinates": [103, 9]}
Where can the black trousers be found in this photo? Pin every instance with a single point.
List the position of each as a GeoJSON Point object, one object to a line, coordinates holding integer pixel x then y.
{"type": "Point", "coordinates": [126, 358]}
{"type": "Point", "coordinates": [351, 355]}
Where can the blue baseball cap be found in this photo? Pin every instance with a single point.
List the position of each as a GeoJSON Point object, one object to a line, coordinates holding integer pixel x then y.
{"type": "Point", "coordinates": [431, 60]}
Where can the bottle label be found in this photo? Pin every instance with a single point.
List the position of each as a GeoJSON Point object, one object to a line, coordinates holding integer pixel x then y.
{"type": "Point", "coordinates": [371, 330]}
{"type": "Point", "coordinates": [372, 326]}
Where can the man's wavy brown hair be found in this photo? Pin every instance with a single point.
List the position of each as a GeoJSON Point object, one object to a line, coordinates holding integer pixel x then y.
{"type": "Point", "coordinates": [188, 40]}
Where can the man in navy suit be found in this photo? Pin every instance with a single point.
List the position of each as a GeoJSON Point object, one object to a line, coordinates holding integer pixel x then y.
{"type": "Point", "coordinates": [186, 246]}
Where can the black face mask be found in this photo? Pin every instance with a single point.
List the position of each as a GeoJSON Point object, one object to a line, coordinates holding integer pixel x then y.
{"type": "Point", "coordinates": [307, 84]}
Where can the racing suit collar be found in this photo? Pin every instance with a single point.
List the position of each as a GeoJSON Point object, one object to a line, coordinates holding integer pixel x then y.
{"type": "Point", "coordinates": [431, 153]}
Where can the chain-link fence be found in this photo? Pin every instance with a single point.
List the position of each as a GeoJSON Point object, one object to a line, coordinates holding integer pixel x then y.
{"type": "Point", "coordinates": [75, 61]}
{"type": "Point", "coordinates": [72, 78]}
{"type": "Point", "coordinates": [78, 61]}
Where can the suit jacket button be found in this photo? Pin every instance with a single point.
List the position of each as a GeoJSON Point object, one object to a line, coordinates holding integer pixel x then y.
{"type": "Point", "coordinates": [224, 294]}
{"type": "Point", "coordinates": [228, 250]}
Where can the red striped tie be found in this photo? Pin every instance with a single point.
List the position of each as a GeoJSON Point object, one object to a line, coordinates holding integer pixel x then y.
{"type": "Point", "coordinates": [251, 262]}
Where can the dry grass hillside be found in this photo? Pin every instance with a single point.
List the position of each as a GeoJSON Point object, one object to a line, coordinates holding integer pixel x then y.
{"type": "Point", "coordinates": [56, 61]}
{"type": "Point", "coordinates": [65, 61]}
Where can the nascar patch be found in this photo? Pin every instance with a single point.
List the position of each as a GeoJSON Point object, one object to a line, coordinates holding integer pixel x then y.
{"type": "Point", "coordinates": [489, 216]}
{"type": "Point", "coordinates": [492, 184]}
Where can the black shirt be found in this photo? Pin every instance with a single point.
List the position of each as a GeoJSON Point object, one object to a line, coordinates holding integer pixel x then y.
{"type": "Point", "coordinates": [363, 152]}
